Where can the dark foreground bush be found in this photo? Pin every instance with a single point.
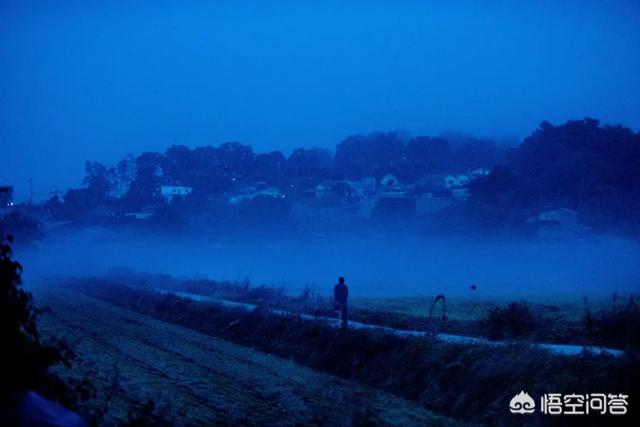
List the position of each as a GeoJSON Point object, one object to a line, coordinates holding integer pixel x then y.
{"type": "Point", "coordinates": [24, 228]}
{"type": "Point", "coordinates": [513, 321]}
{"type": "Point", "coordinates": [473, 383]}
{"type": "Point", "coordinates": [26, 359]}
{"type": "Point", "coordinates": [616, 326]}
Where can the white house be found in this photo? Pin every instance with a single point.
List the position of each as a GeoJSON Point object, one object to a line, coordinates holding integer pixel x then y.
{"type": "Point", "coordinates": [456, 181]}
{"type": "Point", "coordinates": [138, 215]}
{"type": "Point", "coordinates": [560, 216]}
{"type": "Point", "coordinates": [463, 180]}
{"type": "Point", "coordinates": [389, 181]}
{"type": "Point", "coordinates": [335, 190]}
{"type": "Point", "coordinates": [560, 223]}
{"type": "Point", "coordinates": [479, 172]}
{"type": "Point", "coordinates": [168, 192]}
{"type": "Point", "coordinates": [364, 187]}
{"type": "Point", "coordinates": [267, 192]}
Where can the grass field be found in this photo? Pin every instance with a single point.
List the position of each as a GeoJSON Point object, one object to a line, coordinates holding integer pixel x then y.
{"type": "Point", "coordinates": [197, 379]}
{"type": "Point", "coordinates": [468, 382]}
{"type": "Point", "coordinates": [162, 358]}
{"type": "Point", "coordinates": [568, 308]}
{"type": "Point", "coordinates": [602, 320]}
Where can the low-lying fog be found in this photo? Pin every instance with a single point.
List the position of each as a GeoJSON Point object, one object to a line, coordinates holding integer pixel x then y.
{"type": "Point", "coordinates": [381, 265]}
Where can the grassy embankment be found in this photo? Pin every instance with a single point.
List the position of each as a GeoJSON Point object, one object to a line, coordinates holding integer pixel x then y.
{"type": "Point", "coordinates": [605, 321]}
{"type": "Point", "coordinates": [471, 383]}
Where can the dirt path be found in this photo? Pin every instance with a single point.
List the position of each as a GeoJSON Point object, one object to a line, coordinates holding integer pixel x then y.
{"type": "Point", "coordinates": [197, 379]}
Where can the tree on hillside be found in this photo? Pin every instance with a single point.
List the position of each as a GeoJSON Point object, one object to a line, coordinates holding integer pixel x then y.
{"type": "Point", "coordinates": [469, 152]}
{"type": "Point", "coordinates": [269, 167]}
{"type": "Point", "coordinates": [594, 169]}
{"type": "Point", "coordinates": [236, 161]}
{"type": "Point", "coordinates": [581, 165]}
{"type": "Point", "coordinates": [376, 155]}
{"type": "Point", "coordinates": [476, 153]}
{"type": "Point", "coordinates": [125, 173]}
{"type": "Point", "coordinates": [501, 198]}
{"type": "Point", "coordinates": [314, 163]}
{"type": "Point", "coordinates": [98, 179]}
{"type": "Point", "coordinates": [144, 189]}
{"type": "Point", "coordinates": [205, 174]}
{"type": "Point", "coordinates": [424, 156]}
{"type": "Point", "coordinates": [176, 164]}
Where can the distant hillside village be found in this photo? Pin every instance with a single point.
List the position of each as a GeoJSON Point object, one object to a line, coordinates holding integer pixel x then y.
{"type": "Point", "coordinates": [560, 183]}
{"type": "Point", "coordinates": [430, 194]}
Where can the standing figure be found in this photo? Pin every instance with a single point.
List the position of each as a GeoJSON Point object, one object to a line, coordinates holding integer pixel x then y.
{"type": "Point", "coordinates": [340, 295]}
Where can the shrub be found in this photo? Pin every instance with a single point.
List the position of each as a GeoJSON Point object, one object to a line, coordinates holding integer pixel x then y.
{"type": "Point", "coordinates": [514, 321]}
{"type": "Point", "coordinates": [618, 327]}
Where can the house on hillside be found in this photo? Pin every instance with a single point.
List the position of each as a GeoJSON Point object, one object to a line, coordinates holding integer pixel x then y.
{"type": "Point", "coordinates": [389, 181]}
{"type": "Point", "coordinates": [364, 187]}
{"type": "Point", "coordinates": [168, 192]}
{"type": "Point", "coordinates": [138, 215]}
{"type": "Point", "coordinates": [456, 181]}
{"type": "Point", "coordinates": [478, 173]}
{"type": "Point", "coordinates": [335, 191]}
{"type": "Point", "coordinates": [250, 195]}
{"type": "Point", "coordinates": [462, 180]}
{"type": "Point", "coordinates": [558, 223]}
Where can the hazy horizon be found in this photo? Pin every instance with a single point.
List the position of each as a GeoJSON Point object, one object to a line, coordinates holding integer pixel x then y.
{"type": "Point", "coordinates": [97, 81]}
{"type": "Point", "coordinates": [377, 264]}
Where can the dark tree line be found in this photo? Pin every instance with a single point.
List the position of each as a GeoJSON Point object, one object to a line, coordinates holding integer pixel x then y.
{"type": "Point", "coordinates": [216, 170]}
{"type": "Point", "coordinates": [580, 165]}
{"type": "Point", "coordinates": [379, 154]}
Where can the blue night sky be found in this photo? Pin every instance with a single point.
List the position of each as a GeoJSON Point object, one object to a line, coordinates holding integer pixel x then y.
{"type": "Point", "coordinates": [96, 80]}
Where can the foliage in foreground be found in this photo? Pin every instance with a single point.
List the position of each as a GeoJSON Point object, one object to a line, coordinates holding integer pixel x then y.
{"type": "Point", "coordinates": [25, 365]}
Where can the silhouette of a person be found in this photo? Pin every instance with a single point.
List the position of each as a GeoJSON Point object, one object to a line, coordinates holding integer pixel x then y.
{"type": "Point", "coordinates": [340, 296]}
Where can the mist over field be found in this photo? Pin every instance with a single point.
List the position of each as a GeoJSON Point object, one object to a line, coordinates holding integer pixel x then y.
{"type": "Point", "coordinates": [380, 264]}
